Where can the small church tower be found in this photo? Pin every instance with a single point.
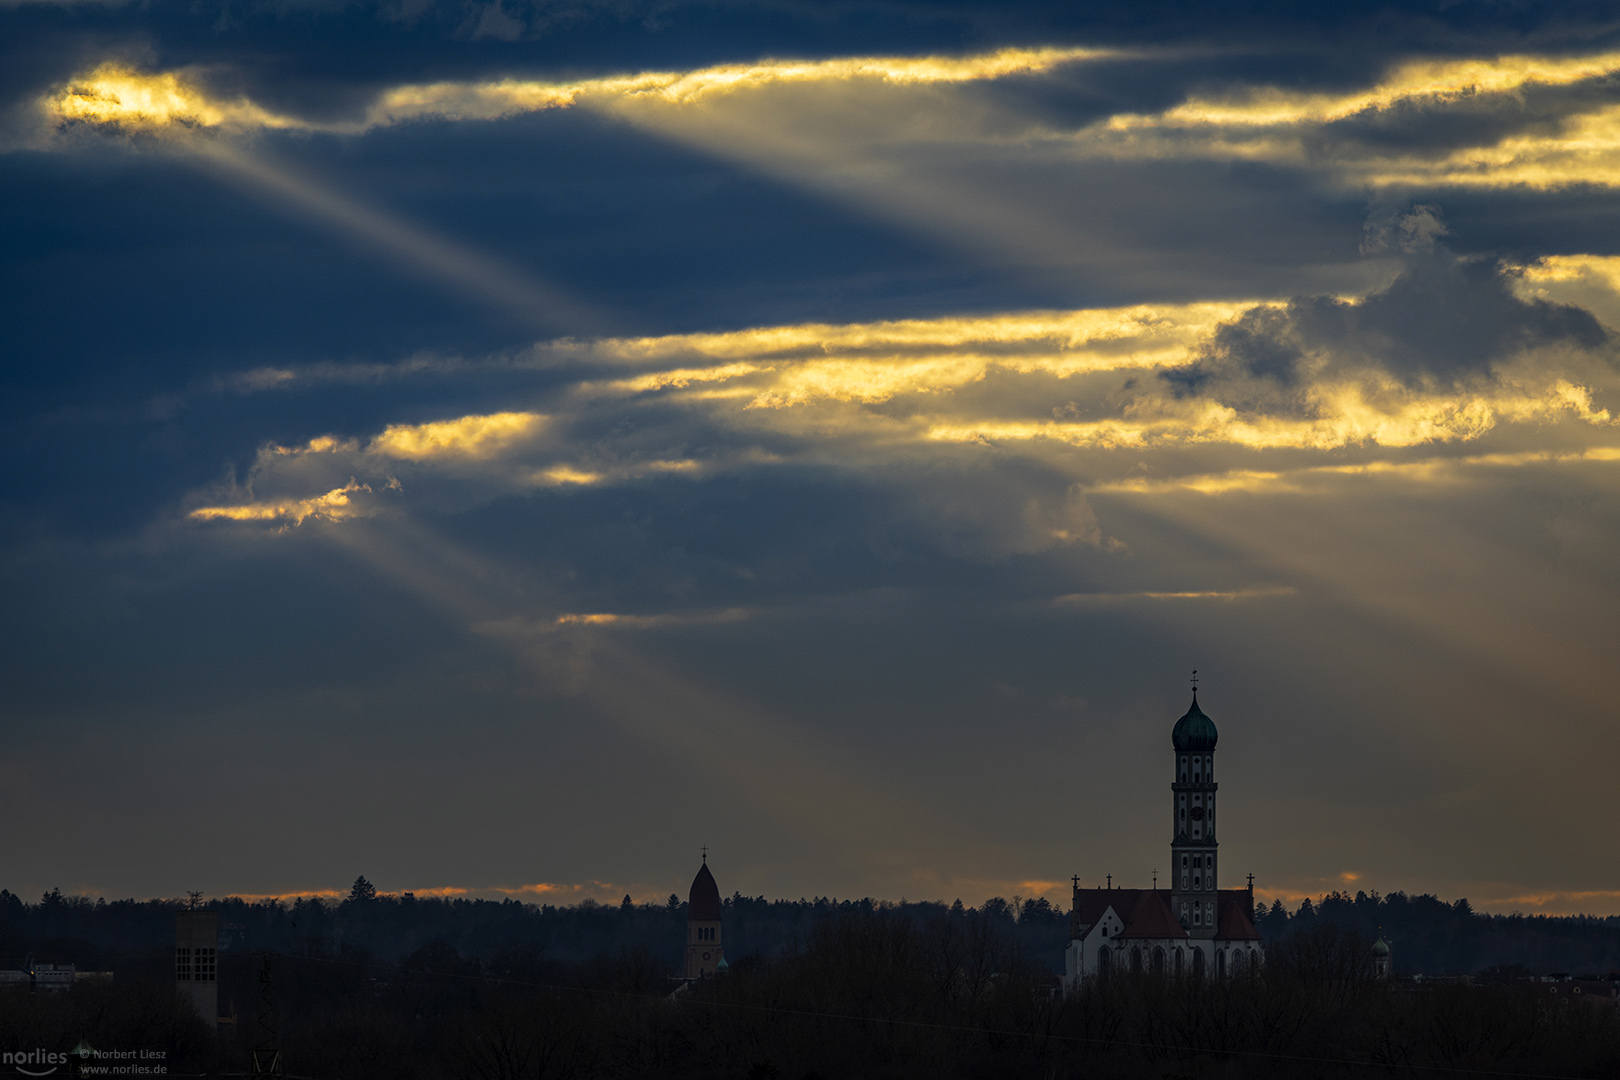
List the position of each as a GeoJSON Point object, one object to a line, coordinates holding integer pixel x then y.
{"type": "Point", "coordinates": [1192, 807]}
{"type": "Point", "coordinates": [1381, 958]}
{"type": "Point", "coordinates": [703, 951]}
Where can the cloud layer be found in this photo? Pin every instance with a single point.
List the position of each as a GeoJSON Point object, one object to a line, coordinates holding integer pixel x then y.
{"type": "Point", "coordinates": [537, 441]}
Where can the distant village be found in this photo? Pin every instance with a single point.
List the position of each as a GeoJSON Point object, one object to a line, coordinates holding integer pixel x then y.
{"type": "Point", "coordinates": [1191, 928]}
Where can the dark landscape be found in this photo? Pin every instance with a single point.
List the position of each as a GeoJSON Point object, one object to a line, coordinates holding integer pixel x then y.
{"type": "Point", "coordinates": [391, 986]}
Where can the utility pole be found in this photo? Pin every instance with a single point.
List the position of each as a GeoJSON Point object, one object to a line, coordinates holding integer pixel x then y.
{"type": "Point", "coordinates": [267, 1051]}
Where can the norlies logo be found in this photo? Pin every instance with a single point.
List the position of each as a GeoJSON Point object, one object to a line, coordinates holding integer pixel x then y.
{"type": "Point", "coordinates": [33, 1062]}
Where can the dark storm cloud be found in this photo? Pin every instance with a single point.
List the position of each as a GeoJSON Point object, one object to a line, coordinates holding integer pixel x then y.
{"type": "Point", "coordinates": [1444, 319]}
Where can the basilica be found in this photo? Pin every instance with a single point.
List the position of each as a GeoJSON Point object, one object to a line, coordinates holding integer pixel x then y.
{"type": "Point", "coordinates": [1193, 927]}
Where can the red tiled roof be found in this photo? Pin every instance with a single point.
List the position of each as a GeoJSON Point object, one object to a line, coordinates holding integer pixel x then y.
{"type": "Point", "coordinates": [1234, 924]}
{"type": "Point", "coordinates": [1145, 912]}
{"type": "Point", "coordinates": [1243, 897]}
{"type": "Point", "coordinates": [1152, 917]}
{"type": "Point", "coordinates": [1093, 902]}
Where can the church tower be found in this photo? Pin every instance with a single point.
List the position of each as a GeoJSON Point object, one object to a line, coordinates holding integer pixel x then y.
{"type": "Point", "coordinates": [703, 955]}
{"type": "Point", "coordinates": [1192, 798]}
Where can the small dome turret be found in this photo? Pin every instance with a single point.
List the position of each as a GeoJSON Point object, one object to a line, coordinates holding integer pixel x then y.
{"type": "Point", "coordinates": [1380, 947]}
{"type": "Point", "coordinates": [1194, 731]}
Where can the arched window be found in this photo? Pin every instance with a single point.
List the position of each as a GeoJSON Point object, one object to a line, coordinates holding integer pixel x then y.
{"type": "Point", "coordinates": [1220, 963]}
{"type": "Point", "coordinates": [1237, 962]}
{"type": "Point", "coordinates": [1136, 960]}
{"type": "Point", "coordinates": [1198, 963]}
{"type": "Point", "coordinates": [1103, 959]}
{"type": "Point", "coordinates": [1181, 962]}
{"type": "Point", "coordinates": [1158, 960]}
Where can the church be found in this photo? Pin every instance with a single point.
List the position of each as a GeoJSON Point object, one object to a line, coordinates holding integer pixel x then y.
{"type": "Point", "coordinates": [1194, 927]}
{"type": "Point", "coordinates": [704, 952]}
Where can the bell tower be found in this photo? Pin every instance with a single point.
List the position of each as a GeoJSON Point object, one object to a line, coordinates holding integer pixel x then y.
{"type": "Point", "coordinates": [703, 947]}
{"type": "Point", "coordinates": [1192, 807]}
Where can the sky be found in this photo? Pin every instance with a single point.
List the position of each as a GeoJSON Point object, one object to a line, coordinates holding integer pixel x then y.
{"type": "Point", "coordinates": [501, 448]}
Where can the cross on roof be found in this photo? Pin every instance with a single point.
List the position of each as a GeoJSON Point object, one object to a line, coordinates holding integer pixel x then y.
{"type": "Point", "coordinates": [705, 853]}
{"type": "Point", "coordinates": [1195, 680]}
{"type": "Point", "coordinates": [1251, 883]}
{"type": "Point", "coordinates": [1077, 881]}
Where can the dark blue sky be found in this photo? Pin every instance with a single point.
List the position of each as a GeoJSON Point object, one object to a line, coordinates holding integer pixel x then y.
{"type": "Point", "coordinates": [505, 446]}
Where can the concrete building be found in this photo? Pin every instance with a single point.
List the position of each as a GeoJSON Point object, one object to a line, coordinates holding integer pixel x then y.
{"type": "Point", "coordinates": [1194, 927]}
{"type": "Point", "coordinates": [49, 978]}
{"type": "Point", "coordinates": [704, 953]}
{"type": "Point", "coordinates": [196, 960]}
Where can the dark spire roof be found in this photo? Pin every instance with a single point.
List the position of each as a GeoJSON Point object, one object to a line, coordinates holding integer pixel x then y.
{"type": "Point", "coordinates": [1194, 731]}
{"type": "Point", "coordinates": [703, 903]}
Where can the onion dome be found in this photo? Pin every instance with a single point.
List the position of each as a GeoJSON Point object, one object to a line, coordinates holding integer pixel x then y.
{"type": "Point", "coordinates": [1195, 731]}
{"type": "Point", "coordinates": [1380, 947]}
{"type": "Point", "coordinates": [703, 903]}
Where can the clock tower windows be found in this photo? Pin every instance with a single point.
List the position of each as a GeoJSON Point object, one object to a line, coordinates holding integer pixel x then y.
{"type": "Point", "coordinates": [1194, 883]}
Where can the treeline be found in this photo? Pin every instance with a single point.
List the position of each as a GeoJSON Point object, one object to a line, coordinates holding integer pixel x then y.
{"type": "Point", "coordinates": [396, 927]}
{"type": "Point", "coordinates": [1429, 935]}
{"type": "Point", "coordinates": [1432, 937]}
{"type": "Point", "coordinates": [867, 992]}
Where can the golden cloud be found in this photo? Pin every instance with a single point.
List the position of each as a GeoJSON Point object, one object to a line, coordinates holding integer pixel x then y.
{"type": "Point", "coordinates": [336, 505]}
{"type": "Point", "coordinates": [1036, 384]}
{"type": "Point", "coordinates": [873, 362]}
{"type": "Point", "coordinates": [1259, 123]}
{"type": "Point", "coordinates": [469, 437]}
{"type": "Point", "coordinates": [1377, 411]}
{"type": "Point", "coordinates": [1419, 82]}
{"type": "Point", "coordinates": [115, 94]}
{"type": "Point", "coordinates": [1430, 470]}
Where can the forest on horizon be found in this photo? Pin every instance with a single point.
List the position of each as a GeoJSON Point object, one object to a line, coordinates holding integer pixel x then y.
{"type": "Point", "coordinates": [1429, 936]}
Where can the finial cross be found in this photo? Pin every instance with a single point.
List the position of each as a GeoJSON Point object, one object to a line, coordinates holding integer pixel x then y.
{"type": "Point", "coordinates": [1155, 879]}
{"type": "Point", "coordinates": [1077, 881]}
{"type": "Point", "coordinates": [705, 853]}
{"type": "Point", "coordinates": [1110, 881]}
{"type": "Point", "coordinates": [1195, 680]}
{"type": "Point", "coordinates": [1251, 883]}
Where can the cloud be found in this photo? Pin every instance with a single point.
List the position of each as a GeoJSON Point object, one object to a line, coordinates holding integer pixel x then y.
{"type": "Point", "coordinates": [468, 437]}
{"type": "Point", "coordinates": [116, 95]}
{"type": "Point", "coordinates": [949, 409]}
{"type": "Point", "coordinates": [339, 504]}
{"type": "Point", "coordinates": [1389, 366]}
{"type": "Point", "coordinates": [1106, 599]}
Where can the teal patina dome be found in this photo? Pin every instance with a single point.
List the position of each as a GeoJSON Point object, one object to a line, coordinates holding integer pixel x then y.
{"type": "Point", "coordinates": [1380, 947]}
{"type": "Point", "coordinates": [1195, 731]}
